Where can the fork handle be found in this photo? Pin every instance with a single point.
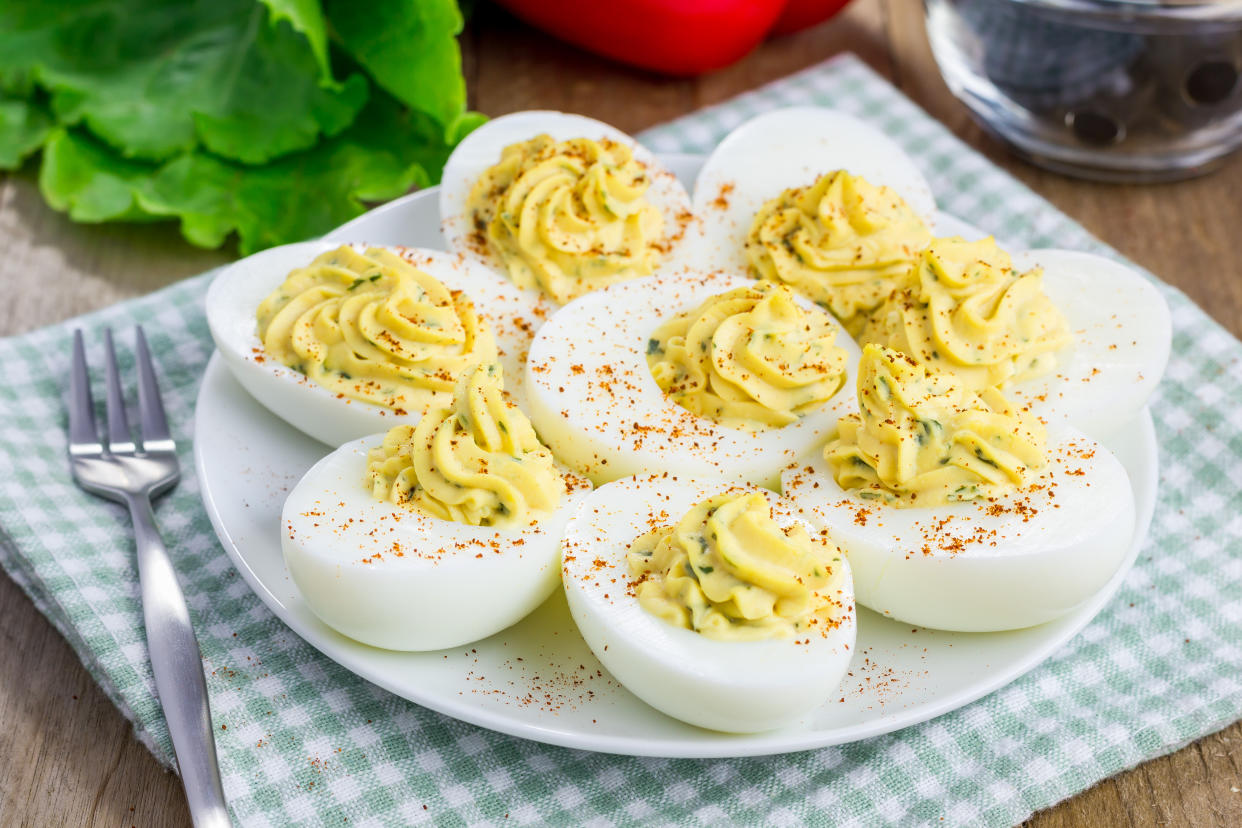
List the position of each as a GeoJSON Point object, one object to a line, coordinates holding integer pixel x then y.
{"type": "Point", "coordinates": [178, 668]}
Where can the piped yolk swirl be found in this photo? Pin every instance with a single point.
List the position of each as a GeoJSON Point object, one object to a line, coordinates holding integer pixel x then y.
{"type": "Point", "coordinates": [478, 462]}
{"type": "Point", "coordinates": [972, 314]}
{"type": "Point", "coordinates": [568, 217]}
{"type": "Point", "coordinates": [748, 358]}
{"type": "Point", "coordinates": [922, 439]}
{"type": "Point", "coordinates": [842, 242]}
{"type": "Point", "coordinates": [729, 572]}
{"type": "Point", "coordinates": [373, 327]}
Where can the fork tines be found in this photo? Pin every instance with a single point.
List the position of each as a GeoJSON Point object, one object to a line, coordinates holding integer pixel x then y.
{"type": "Point", "coordinates": [84, 437]}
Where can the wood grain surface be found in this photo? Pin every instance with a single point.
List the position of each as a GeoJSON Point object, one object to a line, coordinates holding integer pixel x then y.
{"type": "Point", "coordinates": [67, 757]}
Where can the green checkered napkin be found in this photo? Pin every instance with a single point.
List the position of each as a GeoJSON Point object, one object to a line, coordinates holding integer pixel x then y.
{"type": "Point", "coordinates": [308, 742]}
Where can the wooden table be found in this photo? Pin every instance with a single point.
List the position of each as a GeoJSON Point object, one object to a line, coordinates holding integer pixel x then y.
{"type": "Point", "coordinates": [68, 757]}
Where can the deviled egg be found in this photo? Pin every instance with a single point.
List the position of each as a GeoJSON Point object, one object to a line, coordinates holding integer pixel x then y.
{"type": "Point", "coordinates": [562, 203]}
{"type": "Point", "coordinates": [434, 535]}
{"type": "Point", "coordinates": [713, 603]}
{"type": "Point", "coordinates": [818, 200]}
{"type": "Point", "coordinates": [345, 341]}
{"type": "Point", "coordinates": [955, 508]}
{"type": "Point", "coordinates": [714, 376]}
{"type": "Point", "coordinates": [1075, 338]}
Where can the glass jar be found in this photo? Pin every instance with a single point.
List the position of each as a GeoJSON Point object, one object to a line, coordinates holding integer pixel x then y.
{"type": "Point", "coordinates": [1118, 90]}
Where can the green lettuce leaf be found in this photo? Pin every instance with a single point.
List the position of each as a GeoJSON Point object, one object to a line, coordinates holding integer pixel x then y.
{"type": "Point", "coordinates": [157, 78]}
{"type": "Point", "coordinates": [306, 16]}
{"type": "Point", "coordinates": [225, 114]}
{"type": "Point", "coordinates": [85, 179]}
{"type": "Point", "coordinates": [385, 153]}
{"type": "Point", "coordinates": [409, 47]}
{"type": "Point", "coordinates": [304, 195]}
{"type": "Point", "coordinates": [24, 126]}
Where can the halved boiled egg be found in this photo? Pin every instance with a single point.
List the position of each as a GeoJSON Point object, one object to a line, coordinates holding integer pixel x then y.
{"type": "Point", "coordinates": [432, 536]}
{"type": "Point", "coordinates": [594, 400]}
{"type": "Point", "coordinates": [562, 203]}
{"type": "Point", "coordinates": [794, 148]}
{"type": "Point", "coordinates": [1075, 338]}
{"type": "Point", "coordinates": [956, 509]}
{"type": "Point", "coordinates": [1010, 562]}
{"type": "Point", "coordinates": [695, 645]}
{"type": "Point", "coordinates": [384, 357]}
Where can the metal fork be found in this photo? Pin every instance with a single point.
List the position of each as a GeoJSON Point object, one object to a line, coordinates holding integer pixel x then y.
{"type": "Point", "coordinates": [116, 467]}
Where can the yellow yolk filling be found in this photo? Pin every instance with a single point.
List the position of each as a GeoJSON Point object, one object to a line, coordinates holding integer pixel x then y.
{"type": "Point", "coordinates": [749, 358]}
{"type": "Point", "coordinates": [972, 314]}
{"type": "Point", "coordinates": [568, 217]}
{"type": "Point", "coordinates": [921, 439]}
{"type": "Point", "coordinates": [728, 571]}
{"type": "Point", "coordinates": [842, 242]}
{"type": "Point", "coordinates": [478, 462]}
{"type": "Point", "coordinates": [373, 327]}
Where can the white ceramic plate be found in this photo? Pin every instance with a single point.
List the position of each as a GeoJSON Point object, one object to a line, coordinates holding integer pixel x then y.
{"type": "Point", "coordinates": [538, 679]}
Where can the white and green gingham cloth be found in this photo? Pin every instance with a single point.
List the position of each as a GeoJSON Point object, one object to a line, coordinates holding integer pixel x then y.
{"type": "Point", "coordinates": [302, 740]}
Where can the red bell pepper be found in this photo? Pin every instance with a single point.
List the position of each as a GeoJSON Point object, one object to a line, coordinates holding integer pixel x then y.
{"type": "Point", "coordinates": [675, 37]}
{"type": "Point", "coordinates": [801, 14]}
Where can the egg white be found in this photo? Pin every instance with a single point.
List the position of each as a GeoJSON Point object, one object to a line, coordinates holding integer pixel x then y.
{"type": "Point", "coordinates": [595, 404]}
{"type": "Point", "coordinates": [1122, 334]}
{"type": "Point", "coordinates": [234, 297]}
{"type": "Point", "coordinates": [481, 149]}
{"type": "Point", "coordinates": [403, 579]}
{"type": "Point", "coordinates": [734, 686]}
{"type": "Point", "coordinates": [792, 148]}
{"type": "Point", "coordinates": [1014, 568]}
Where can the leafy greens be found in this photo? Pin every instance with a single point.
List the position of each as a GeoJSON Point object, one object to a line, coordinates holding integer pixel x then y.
{"type": "Point", "coordinates": [226, 114]}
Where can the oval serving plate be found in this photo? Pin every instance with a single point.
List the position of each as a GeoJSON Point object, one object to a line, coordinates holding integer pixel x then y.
{"type": "Point", "coordinates": [538, 679]}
